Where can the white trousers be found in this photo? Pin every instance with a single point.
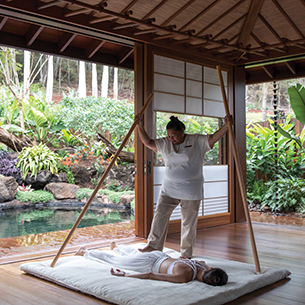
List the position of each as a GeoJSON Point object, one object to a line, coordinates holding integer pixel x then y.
{"type": "Point", "coordinates": [189, 218]}
{"type": "Point", "coordinates": [126, 257]}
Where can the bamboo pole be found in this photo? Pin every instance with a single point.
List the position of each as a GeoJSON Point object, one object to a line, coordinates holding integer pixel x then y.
{"type": "Point", "coordinates": [242, 185]}
{"type": "Point", "coordinates": [78, 220]}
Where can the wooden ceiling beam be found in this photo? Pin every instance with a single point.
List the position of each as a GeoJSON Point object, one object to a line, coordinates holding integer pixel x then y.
{"type": "Point", "coordinates": [199, 15]}
{"type": "Point", "coordinates": [77, 12]}
{"type": "Point", "coordinates": [288, 18]}
{"type": "Point", "coordinates": [124, 53]}
{"type": "Point", "coordinates": [64, 41]}
{"type": "Point", "coordinates": [93, 47]}
{"type": "Point", "coordinates": [32, 33]}
{"type": "Point", "coordinates": [49, 4]}
{"type": "Point", "coordinates": [177, 13]}
{"type": "Point", "coordinates": [292, 67]}
{"type": "Point", "coordinates": [221, 16]}
{"type": "Point", "coordinates": [145, 32]}
{"type": "Point", "coordinates": [125, 26]}
{"type": "Point", "coordinates": [3, 22]}
{"type": "Point", "coordinates": [252, 15]}
{"type": "Point", "coordinates": [102, 19]}
{"type": "Point", "coordinates": [269, 71]}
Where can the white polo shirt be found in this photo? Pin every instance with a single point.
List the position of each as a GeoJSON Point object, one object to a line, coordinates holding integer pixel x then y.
{"type": "Point", "coordinates": [183, 169]}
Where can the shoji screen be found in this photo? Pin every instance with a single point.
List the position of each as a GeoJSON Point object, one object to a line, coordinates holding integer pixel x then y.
{"type": "Point", "coordinates": [187, 88]}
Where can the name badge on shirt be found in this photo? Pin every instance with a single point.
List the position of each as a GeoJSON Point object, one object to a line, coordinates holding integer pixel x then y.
{"type": "Point", "coordinates": [188, 146]}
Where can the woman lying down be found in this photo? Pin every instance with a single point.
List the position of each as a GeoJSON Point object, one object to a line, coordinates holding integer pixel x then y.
{"type": "Point", "coordinates": [156, 265]}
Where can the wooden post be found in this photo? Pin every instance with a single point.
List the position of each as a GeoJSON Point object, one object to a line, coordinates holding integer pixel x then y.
{"type": "Point", "coordinates": [78, 220]}
{"type": "Point", "coordinates": [242, 185]}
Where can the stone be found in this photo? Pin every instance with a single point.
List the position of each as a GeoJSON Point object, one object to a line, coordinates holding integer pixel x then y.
{"type": "Point", "coordinates": [8, 188]}
{"type": "Point", "coordinates": [81, 175]}
{"type": "Point", "coordinates": [126, 200]}
{"type": "Point", "coordinates": [62, 190]}
{"type": "Point", "coordinates": [42, 179]}
{"type": "Point", "coordinates": [123, 174]}
{"type": "Point", "coordinates": [61, 177]}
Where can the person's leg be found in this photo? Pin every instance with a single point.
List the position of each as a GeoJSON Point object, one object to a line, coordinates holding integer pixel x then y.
{"type": "Point", "coordinates": [189, 218]}
{"type": "Point", "coordinates": [159, 226]}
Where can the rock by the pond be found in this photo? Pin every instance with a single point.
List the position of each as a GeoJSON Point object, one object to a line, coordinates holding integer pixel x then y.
{"type": "Point", "coordinates": [42, 179]}
{"type": "Point", "coordinates": [126, 199]}
{"type": "Point", "coordinates": [61, 177]}
{"type": "Point", "coordinates": [62, 190]}
{"type": "Point", "coordinates": [81, 175]}
{"type": "Point", "coordinates": [8, 188]}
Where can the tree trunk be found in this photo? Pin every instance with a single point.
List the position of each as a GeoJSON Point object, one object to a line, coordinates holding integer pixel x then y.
{"type": "Point", "coordinates": [94, 81]}
{"type": "Point", "coordinates": [13, 142]}
{"type": "Point", "coordinates": [124, 156]}
{"type": "Point", "coordinates": [49, 93]}
{"type": "Point", "coordinates": [82, 80]}
{"type": "Point", "coordinates": [105, 80]}
{"type": "Point", "coordinates": [115, 84]}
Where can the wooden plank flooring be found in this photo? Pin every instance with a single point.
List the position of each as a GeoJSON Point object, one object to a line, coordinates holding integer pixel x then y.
{"type": "Point", "coordinates": [278, 246]}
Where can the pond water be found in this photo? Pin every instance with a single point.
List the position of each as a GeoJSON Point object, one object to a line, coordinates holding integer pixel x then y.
{"type": "Point", "coordinates": [21, 222]}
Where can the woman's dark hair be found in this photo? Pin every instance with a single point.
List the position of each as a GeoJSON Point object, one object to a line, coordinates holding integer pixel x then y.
{"type": "Point", "coordinates": [215, 277]}
{"type": "Point", "coordinates": [175, 124]}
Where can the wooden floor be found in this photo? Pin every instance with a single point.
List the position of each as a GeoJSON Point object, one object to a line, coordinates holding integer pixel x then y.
{"type": "Point", "coordinates": [278, 246]}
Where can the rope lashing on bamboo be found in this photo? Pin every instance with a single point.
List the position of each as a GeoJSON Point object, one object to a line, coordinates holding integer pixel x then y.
{"type": "Point", "coordinates": [78, 220]}
{"type": "Point", "coordinates": [241, 182]}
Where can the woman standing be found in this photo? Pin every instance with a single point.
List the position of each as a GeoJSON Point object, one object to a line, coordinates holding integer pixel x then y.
{"type": "Point", "coordinates": [183, 155]}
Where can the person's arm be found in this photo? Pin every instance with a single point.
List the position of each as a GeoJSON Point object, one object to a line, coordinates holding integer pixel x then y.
{"type": "Point", "coordinates": [220, 132]}
{"type": "Point", "coordinates": [144, 137]}
{"type": "Point", "coordinates": [173, 278]}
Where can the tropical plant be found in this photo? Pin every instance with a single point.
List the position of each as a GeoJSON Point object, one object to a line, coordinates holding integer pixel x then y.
{"type": "Point", "coordinates": [285, 194]}
{"type": "Point", "coordinates": [36, 158]}
{"type": "Point", "coordinates": [41, 118]}
{"type": "Point", "coordinates": [8, 164]}
{"type": "Point", "coordinates": [35, 196]}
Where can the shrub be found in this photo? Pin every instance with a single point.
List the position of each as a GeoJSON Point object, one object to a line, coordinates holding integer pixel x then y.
{"type": "Point", "coordinates": [35, 196]}
{"type": "Point", "coordinates": [285, 194]}
{"type": "Point", "coordinates": [8, 165]}
{"type": "Point", "coordinates": [36, 158]}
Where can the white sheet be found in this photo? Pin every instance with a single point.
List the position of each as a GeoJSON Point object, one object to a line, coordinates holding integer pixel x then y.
{"type": "Point", "coordinates": [94, 278]}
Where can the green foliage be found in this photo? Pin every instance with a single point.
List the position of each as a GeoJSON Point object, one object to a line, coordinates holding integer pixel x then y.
{"type": "Point", "coordinates": [92, 115]}
{"type": "Point", "coordinates": [261, 156]}
{"type": "Point", "coordinates": [297, 100]}
{"type": "Point", "coordinates": [36, 158]}
{"type": "Point", "coordinates": [41, 118]}
{"type": "Point", "coordinates": [286, 194]}
{"type": "Point", "coordinates": [112, 195]}
{"type": "Point", "coordinates": [256, 191]}
{"type": "Point", "coordinates": [35, 196]}
{"type": "Point", "coordinates": [65, 169]}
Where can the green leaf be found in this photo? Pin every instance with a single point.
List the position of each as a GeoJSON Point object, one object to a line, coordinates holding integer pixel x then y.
{"type": "Point", "coordinates": [297, 101]}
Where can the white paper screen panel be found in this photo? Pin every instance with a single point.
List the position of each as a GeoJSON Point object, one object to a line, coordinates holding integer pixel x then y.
{"type": "Point", "coordinates": [193, 88]}
{"type": "Point", "coordinates": [212, 92]}
{"type": "Point", "coordinates": [168, 66]}
{"type": "Point", "coordinates": [215, 206]}
{"type": "Point", "coordinates": [215, 173]}
{"type": "Point", "coordinates": [193, 105]}
{"type": "Point", "coordinates": [168, 102]}
{"type": "Point", "coordinates": [193, 71]}
{"type": "Point", "coordinates": [211, 76]}
{"type": "Point", "coordinates": [214, 109]}
{"type": "Point", "coordinates": [169, 84]}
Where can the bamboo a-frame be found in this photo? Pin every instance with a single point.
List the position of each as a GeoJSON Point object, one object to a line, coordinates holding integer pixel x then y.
{"type": "Point", "coordinates": [241, 182]}
{"type": "Point", "coordinates": [78, 220]}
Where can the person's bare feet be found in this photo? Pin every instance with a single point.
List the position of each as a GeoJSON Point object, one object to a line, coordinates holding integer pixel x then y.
{"type": "Point", "coordinates": [81, 251]}
{"type": "Point", "coordinates": [112, 245]}
{"type": "Point", "coordinates": [147, 249]}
